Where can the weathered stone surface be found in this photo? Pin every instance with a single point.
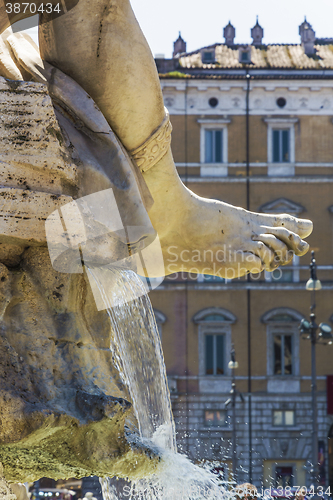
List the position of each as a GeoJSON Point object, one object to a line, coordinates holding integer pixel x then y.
{"type": "Point", "coordinates": [64, 411]}
{"type": "Point", "coordinates": [33, 152]}
{"type": "Point", "coordinates": [36, 168]}
{"type": "Point", "coordinates": [5, 491]}
{"type": "Point", "coordinates": [23, 214]}
{"type": "Point", "coordinates": [62, 406]}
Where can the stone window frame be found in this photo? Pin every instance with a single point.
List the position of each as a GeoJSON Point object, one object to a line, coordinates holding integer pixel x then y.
{"type": "Point", "coordinates": [288, 464]}
{"type": "Point", "coordinates": [214, 169]}
{"type": "Point", "coordinates": [287, 328]}
{"type": "Point", "coordinates": [285, 168]}
{"type": "Point", "coordinates": [294, 267]}
{"type": "Point", "coordinates": [222, 327]}
{"type": "Point", "coordinates": [284, 425]}
{"type": "Point", "coordinates": [213, 410]}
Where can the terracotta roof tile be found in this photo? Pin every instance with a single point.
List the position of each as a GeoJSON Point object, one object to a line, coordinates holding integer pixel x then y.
{"type": "Point", "coordinates": [325, 52]}
{"type": "Point", "coordinates": [258, 57]}
{"type": "Point", "coordinates": [278, 56]}
{"type": "Point", "coordinates": [300, 59]}
{"type": "Point", "coordinates": [267, 56]}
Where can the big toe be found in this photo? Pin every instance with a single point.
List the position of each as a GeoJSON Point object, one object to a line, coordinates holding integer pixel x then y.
{"type": "Point", "coordinates": [305, 227]}
{"type": "Point", "coordinates": [302, 227]}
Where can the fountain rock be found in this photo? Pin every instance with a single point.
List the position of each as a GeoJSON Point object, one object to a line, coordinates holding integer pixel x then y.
{"type": "Point", "coordinates": [64, 412]}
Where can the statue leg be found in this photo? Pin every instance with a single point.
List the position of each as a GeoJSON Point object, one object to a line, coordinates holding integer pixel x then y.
{"type": "Point", "coordinates": [101, 46]}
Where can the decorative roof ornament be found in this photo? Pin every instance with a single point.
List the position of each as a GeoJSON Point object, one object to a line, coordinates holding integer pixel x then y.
{"type": "Point", "coordinates": [179, 46]}
{"type": "Point", "coordinates": [308, 37]}
{"type": "Point", "coordinates": [229, 34]}
{"type": "Point", "coordinates": [257, 34]}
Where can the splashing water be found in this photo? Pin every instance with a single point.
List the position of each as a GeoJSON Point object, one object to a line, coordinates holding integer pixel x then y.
{"type": "Point", "coordinates": [138, 356]}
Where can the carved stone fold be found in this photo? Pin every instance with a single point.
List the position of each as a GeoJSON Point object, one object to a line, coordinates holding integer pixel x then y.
{"type": "Point", "coordinates": [64, 411]}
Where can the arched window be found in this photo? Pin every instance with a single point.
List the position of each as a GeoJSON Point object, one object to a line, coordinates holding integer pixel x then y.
{"type": "Point", "coordinates": [282, 349]}
{"type": "Point", "coordinates": [214, 342]}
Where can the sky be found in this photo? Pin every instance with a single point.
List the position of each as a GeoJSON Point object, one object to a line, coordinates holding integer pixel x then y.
{"type": "Point", "coordinates": [201, 22]}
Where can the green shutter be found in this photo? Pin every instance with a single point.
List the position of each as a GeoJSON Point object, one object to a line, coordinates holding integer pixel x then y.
{"type": "Point", "coordinates": [209, 348]}
{"type": "Point", "coordinates": [209, 146]}
{"type": "Point", "coordinates": [285, 146]}
{"type": "Point", "coordinates": [276, 146]}
{"type": "Point", "coordinates": [288, 358]}
{"type": "Point", "coordinates": [214, 146]}
{"type": "Point", "coordinates": [218, 146]}
{"type": "Point", "coordinates": [277, 355]}
{"type": "Point", "coordinates": [219, 354]}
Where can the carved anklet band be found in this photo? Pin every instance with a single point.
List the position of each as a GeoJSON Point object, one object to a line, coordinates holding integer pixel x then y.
{"type": "Point", "coordinates": [155, 147]}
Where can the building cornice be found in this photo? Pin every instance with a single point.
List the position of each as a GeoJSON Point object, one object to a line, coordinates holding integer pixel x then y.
{"type": "Point", "coordinates": [234, 286]}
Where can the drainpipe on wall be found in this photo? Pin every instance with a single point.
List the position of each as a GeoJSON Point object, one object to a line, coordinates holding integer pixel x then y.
{"type": "Point", "coordinates": [249, 357]}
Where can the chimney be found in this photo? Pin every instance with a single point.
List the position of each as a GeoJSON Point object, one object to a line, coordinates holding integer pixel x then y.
{"type": "Point", "coordinates": [308, 37]}
{"type": "Point", "coordinates": [257, 34]}
{"type": "Point", "coordinates": [229, 34]}
{"type": "Point", "coordinates": [179, 46]}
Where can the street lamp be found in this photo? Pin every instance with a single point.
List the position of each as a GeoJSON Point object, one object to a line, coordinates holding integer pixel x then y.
{"type": "Point", "coordinates": [233, 365]}
{"type": "Point", "coordinates": [308, 330]}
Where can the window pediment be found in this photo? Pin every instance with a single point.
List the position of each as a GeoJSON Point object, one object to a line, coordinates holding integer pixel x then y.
{"type": "Point", "coordinates": [282, 205]}
{"type": "Point", "coordinates": [282, 315]}
{"type": "Point", "coordinates": [214, 315]}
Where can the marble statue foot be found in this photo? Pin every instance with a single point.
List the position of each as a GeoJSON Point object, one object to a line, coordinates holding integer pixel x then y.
{"type": "Point", "coordinates": [200, 235]}
{"type": "Point", "coordinates": [197, 235]}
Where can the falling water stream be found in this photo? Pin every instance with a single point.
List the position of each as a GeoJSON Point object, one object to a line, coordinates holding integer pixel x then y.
{"type": "Point", "coordinates": [138, 356]}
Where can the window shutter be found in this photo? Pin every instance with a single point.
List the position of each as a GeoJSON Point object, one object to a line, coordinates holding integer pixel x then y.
{"type": "Point", "coordinates": [209, 146]}
{"type": "Point", "coordinates": [277, 354]}
{"type": "Point", "coordinates": [218, 146]}
{"type": "Point", "coordinates": [214, 146]}
{"type": "Point", "coordinates": [276, 146]}
{"type": "Point", "coordinates": [220, 354]}
{"type": "Point", "coordinates": [288, 360]}
{"type": "Point", "coordinates": [285, 146]}
{"type": "Point", "coordinates": [209, 354]}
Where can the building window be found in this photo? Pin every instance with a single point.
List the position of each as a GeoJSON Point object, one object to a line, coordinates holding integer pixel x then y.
{"type": "Point", "coordinates": [287, 274]}
{"type": "Point", "coordinates": [284, 477]}
{"type": "Point", "coordinates": [283, 418]}
{"type": "Point", "coordinates": [244, 54]}
{"type": "Point", "coordinates": [281, 146]}
{"type": "Point", "coordinates": [245, 57]}
{"type": "Point", "coordinates": [214, 341]}
{"type": "Point", "coordinates": [213, 146]}
{"type": "Point", "coordinates": [207, 278]}
{"type": "Point", "coordinates": [215, 418]}
{"type": "Point", "coordinates": [282, 349]}
{"type": "Point", "coordinates": [283, 275]}
{"type": "Point", "coordinates": [208, 57]}
{"type": "Point", "coordinates": [283, 354]}
{"type": "Point", "coordinates": [214, 354]}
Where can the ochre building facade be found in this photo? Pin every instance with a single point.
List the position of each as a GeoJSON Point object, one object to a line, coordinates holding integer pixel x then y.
{"type": "Point", "coordinates": [256, 131]}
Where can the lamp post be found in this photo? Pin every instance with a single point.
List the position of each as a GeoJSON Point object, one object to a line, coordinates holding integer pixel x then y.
{"type": "Point", "coordinates": [233, 365]}
{"type": "Point", "coordinates": [308, 330]}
